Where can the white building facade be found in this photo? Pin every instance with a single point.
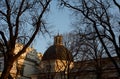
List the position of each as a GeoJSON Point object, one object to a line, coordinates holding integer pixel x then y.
{"type": "Point", "coordinates": [26, 65]}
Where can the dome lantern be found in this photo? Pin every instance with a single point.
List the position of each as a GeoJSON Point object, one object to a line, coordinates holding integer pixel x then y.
{"type": "Point", "coordinates": [58, 40]}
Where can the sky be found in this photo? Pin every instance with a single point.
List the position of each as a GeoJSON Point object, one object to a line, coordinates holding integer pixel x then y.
{"type": "Point", "coordinates": [59, 19]}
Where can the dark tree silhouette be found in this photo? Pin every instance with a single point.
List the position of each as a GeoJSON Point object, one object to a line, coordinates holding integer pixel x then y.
{"type": "Point", "coordinates": [86, 46]}
{"type": "Point", "coordinates": [20, 22]}
{"type": "Point", "coordinates": [98, 14]}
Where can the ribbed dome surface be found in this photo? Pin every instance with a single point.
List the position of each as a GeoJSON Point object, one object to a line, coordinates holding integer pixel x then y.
{"type": "Point", "coordinates": [57, 52]}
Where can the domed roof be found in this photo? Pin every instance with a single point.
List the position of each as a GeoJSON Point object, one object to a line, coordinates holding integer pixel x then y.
{"type": "Point", "coordinates": [57, 51]}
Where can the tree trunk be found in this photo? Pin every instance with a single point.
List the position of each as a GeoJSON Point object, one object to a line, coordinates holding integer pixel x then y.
{"type": "Point", "coordinates": [10, 77]}
{"type": "Point", "coordinates": [6, 70]}
{"type": "Point", "coordinates": [99, 75]}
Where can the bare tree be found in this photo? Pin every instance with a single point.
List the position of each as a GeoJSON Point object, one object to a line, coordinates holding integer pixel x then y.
{"type": "Point", "coordinates": [20, 22]}
{"type": "Point", "coordinates": [117, 4]}
{"type": "Point", "coordinates": [87, 51]}
{"type": "Point", "coordinates": [97, 14]}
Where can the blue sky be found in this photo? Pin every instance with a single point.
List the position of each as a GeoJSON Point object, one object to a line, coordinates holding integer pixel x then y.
{"type": "Point", "coordinates": [60, 22]}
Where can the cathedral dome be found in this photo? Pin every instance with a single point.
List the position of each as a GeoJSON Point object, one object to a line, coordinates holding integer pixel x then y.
{"type": "Point", "coordinates": [57, 51]}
